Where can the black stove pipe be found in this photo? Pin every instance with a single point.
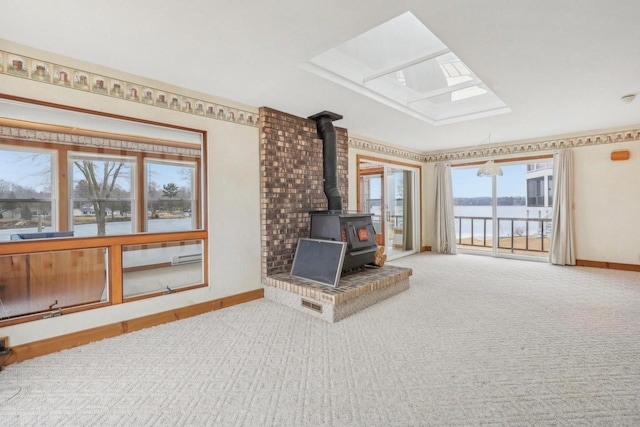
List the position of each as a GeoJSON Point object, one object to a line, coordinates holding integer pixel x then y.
{"type": "Point", "coordinates": [326, 131]}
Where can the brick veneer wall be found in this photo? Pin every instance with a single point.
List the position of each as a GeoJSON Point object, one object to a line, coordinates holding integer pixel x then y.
{"type": "Point", "coordinates": [291, 183]}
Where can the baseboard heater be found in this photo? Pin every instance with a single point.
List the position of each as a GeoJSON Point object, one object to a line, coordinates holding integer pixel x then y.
{"type": "Point", "coordinates": [186, 259]}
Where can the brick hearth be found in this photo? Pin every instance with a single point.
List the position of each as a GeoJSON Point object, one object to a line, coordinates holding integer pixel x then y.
{"type": "Point", "coordinates": [354, 292]}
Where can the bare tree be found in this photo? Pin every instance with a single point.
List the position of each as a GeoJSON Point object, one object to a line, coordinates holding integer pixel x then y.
{"type": "Point", "coordinates": [186, 175]}
{"type": "Point", "coordinates": [153, 190]}
{"type": "Point", "coordinates": [40, 164]}
{"type": "Point", "coordinates": [100, 188]}
{"type": "Point", "coordinates": [5, 188]}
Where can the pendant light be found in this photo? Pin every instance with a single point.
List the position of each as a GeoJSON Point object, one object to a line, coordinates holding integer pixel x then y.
{"type": "Point", "coordinates": [489, 168]}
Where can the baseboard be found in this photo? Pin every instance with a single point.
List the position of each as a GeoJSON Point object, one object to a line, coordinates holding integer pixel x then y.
{"type": "Point", "coordinates": [75, 339]}
{"type": "Point", "coordinates": [609, 265]}
{"type": "Point", "coordinates": [425, 249]}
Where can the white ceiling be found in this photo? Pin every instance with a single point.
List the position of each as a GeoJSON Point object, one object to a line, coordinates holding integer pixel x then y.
{"type": "Point", "coordinates": [561, 66]}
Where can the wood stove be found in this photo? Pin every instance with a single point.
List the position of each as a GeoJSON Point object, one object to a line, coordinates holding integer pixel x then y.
{"type": "Point", "coordinates": [334, 224]}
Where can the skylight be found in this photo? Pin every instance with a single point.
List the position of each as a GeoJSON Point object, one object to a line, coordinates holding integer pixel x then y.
{"type": "Point", "coordinates": [405, 66]}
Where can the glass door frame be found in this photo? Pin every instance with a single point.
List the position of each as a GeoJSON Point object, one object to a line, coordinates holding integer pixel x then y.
{"type": "Point", "coordinates": [416, 195]}
{"type": "Point", "coordinates": [374, 172]}
{"type": "Point", "coordinates": [494, 206]}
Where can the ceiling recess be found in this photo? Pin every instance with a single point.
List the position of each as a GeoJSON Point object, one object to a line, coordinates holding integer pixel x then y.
{"type": "Point", "coordinates": [402, 64]}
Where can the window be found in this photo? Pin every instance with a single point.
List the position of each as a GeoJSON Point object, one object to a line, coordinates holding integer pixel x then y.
{"type": "Point", "coordinates": [170, 195]}
{"type": "Point", "coordinates": [105, 193]}
{"type": "Point", "coordinates": [74, 175]}
{"type": "Point", "coordinates": [102, 194]}
{"type": "Point", "coordinates": [161, 267]}
{"type": "Point", "coordinates": [535, 191]}
{"type": "Point", "coordinates": [550, 190]}
{"type": "Point", "coordinates": [26, 197]}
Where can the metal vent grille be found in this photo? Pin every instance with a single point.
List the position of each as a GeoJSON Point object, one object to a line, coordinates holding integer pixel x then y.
{"type": "Point", "coordinates": [311, 305]}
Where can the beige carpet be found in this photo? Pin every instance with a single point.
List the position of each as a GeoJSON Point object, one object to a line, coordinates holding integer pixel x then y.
{"type": "Point", "coordinates": [474, 341]}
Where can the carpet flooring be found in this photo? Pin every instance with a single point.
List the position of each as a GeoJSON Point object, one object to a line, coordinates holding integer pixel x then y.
{"type": "Point", "coordinates": [474, 341]}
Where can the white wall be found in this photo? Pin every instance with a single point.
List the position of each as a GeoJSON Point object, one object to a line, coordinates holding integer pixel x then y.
{"type": "Point", "coordinates": [233, 196]}
{"type": "Point", "coordinates": [607, 204]}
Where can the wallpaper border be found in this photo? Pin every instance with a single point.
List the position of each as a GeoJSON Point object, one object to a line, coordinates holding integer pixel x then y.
{"type": "Point", "coordinates": [22, 66]}
{"type": "Point", "coordinates": [517, 148]}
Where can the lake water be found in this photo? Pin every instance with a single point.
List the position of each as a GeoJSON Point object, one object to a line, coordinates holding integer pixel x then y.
{"type": "Point", "coordinates": [113, 228]}
{"type": "Point", "coordinates": [503, 212]}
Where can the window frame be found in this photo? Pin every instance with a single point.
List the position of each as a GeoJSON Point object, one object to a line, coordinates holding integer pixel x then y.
{"type": "Point", "coordinates": [72, 156]}
{"type": "Point", "coordinates": [53, 179]}
{"type": "Point", "coordinates": [539, 196]}
{"type": "Point", "coordinates": [194, 187]}
{"type": "Point", "coordinates": [64, 139]}
{"type": "Point", "coordinates": [532, 163]}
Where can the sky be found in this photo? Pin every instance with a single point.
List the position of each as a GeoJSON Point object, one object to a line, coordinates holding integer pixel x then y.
{"type": "Point", "coordinates": [165, 173]}
{"type": "Point", "coordinates": [466, 183]}
{"type": "Point", "coordinates": [21, 167]}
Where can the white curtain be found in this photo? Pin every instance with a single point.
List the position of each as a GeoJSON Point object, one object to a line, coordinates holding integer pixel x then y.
{"type": "Point", "coordinates": [562, 249]}
{"type": "Point", "coordinates": [445, 224]}
{"type": "Point", "coordinates": [407, 209]}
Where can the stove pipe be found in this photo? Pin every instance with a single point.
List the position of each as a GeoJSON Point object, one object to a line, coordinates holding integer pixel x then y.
{"type": "Point", "coordinates": [326, 131]}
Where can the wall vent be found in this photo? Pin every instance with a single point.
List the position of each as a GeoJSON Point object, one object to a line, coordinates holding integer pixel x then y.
{"type": "Point", "coordinates": [311, 305]}
{"type": "Point", "coordinates": [186, 259]}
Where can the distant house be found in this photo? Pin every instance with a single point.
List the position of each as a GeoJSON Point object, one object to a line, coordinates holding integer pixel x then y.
{"type": "Point", "coordinates": [10, 214]}
{"type": "Point", "coordinates": [540, 184]}
{"type": "Point", "coordinates": [87, 210]}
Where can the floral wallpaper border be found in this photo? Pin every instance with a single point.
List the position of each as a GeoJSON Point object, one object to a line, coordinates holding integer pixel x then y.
{"type": "Point", "coordinates": [501, 150]}
{"type": "Point", "coordinates": [533, 147]}
{"type": "Point", "coordinates": [22, 66]}
{"type": "Point", "coordinates": [363, 144]}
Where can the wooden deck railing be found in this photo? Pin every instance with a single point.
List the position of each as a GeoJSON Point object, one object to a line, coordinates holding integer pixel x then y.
{"type": "Point", "coordinates": [515, 235]}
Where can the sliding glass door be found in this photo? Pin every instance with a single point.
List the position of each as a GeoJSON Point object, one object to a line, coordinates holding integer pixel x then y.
{"type": "Point", "coordinates": [390, 192]}
{"type": "Point", "coordinates": [371, 199]}
{"type": "Point", "coordinates": [516, 208]}
{"type": "Point", "coordinates": [399, 217]}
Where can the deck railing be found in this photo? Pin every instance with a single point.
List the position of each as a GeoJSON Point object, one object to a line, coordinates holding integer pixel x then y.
{"type": "Point", "coordinates": [516, 235]}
